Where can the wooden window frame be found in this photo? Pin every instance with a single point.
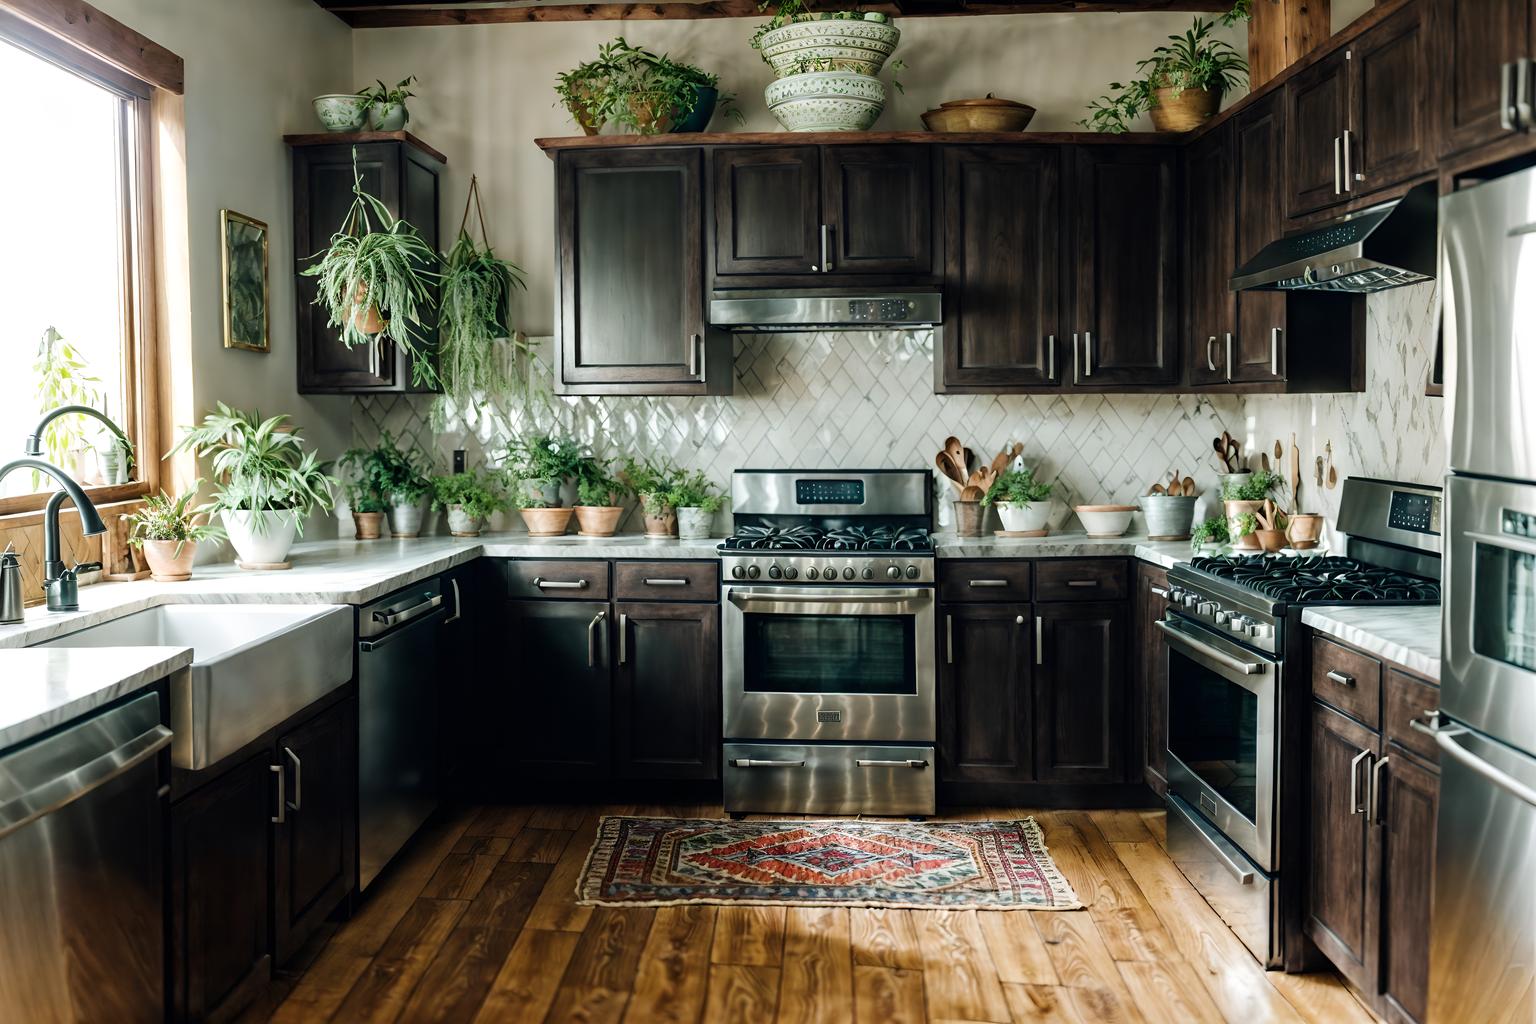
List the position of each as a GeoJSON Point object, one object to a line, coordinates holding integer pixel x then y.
{"type": "Point", "coordinates": [139, 366]}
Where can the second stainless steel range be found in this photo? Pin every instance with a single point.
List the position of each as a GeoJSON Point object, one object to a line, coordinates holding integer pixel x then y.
{"type": "Point", "coordinates": [828, 628]}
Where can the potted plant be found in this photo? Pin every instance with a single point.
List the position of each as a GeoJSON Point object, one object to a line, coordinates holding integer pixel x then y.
{"type": "Point", "coordinates": [368, 510]}
{"type": "Point", "coordinates": [1180, 84]}
{"type": "Point", "coordinates": [541, 463]}
{"type": "Point", "coordinates": [375, 280]}
{"type": "Point", "coordinates": [599, 500]}
{"type": "Point", "coordinates": [695, 501]}
{"type": "Point", "coordinates": [1241, 501]}
{"type": "Point", "coordinates": [167, 531]}
{"type": "Point", "coordinates": [470, 498]}
{"type": "Point", "coordinates": [116, 457]}
{"type": "Point", "coordinates": [386, 106]}
{"type": "Point", "coordinates": [63, 378]}
{"type": "Point", "coordinates": [396, 481]}
{"type": "Point", "coordinates": [265, 483]}
{"type": "Point", "coordinates": [542, 519]}
{"type": "Point", "coordinates": [825, 65]}
{"type": "Point", "coordinates": [653, 94]}
{"type": "Point", "coordinates": [653, 482]}
{"type": "Point", "coordinates": [1213, 531]}
{"type": "Point", "coordinates": [1023, 503]}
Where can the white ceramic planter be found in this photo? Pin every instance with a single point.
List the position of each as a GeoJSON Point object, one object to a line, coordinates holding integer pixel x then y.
{"type": "Point", "coordinates": [389, 118]}
{"type": "Point", "coordinates": [847, 44]}
{"type": "Point", "coordinates": [826, 101]}
{"type": "Point", "coordinates": [546, 490]}
{"type": "Point", "coordinates": [261, 538]}
{"type": "Point", "coordinates": [405, 518]}
{"type": "Point", "coordinates": [462, 524]}
{"type": "Point", "coordinates": [341, 112]}
{"type": "Point", "coordinates": [694, 523]}
{"type": "Point", "coordinates": [1024, 516]}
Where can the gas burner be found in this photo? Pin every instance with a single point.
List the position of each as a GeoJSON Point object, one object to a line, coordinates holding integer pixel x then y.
{"type": "Point", "coordinates": [774, 538]}
{"type": "Point", "coordinates": [843, 538]}
{"type": "Point", "coordinates": [1318, 579]}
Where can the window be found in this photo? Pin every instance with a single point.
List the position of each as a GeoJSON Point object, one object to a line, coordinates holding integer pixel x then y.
{"type": "Point", "coordinates": [72, 249]}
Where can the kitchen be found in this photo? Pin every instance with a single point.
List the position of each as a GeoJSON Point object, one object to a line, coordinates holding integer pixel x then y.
{"type": "Point", "coordinates": [847, 557]}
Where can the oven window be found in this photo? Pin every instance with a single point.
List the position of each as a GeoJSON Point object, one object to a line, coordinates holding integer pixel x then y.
{"type": "Point", "coordinates": [1213, 728]}
{"type": "Point", "coordinates": [1504, 606]}
{"type": "Point", "coordinates": [830, 653]}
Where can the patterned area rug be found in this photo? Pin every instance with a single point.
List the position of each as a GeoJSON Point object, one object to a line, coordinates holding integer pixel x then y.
{"type": "Point", "coordinates": [962, 865]}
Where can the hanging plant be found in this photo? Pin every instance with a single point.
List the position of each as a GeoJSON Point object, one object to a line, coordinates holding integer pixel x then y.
{"type": "Point", "coordinates": [375, 280]}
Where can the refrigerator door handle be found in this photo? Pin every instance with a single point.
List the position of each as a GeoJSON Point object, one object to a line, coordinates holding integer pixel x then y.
{"type": "Point", "coordinates": [1445, 737]}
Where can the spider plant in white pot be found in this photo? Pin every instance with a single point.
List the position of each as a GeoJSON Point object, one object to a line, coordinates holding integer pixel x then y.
{"type": "Point", "coordinates": [265, 483]}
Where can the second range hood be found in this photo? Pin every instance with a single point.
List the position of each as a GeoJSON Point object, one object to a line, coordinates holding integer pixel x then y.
{"type": "Point", "coordinates": [824, 309]}
{"type": "Point", "coordinates": [1370, 250]}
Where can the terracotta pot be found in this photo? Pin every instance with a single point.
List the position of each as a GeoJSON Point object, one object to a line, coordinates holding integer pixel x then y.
{"type": "Point", "coordinates": [370, 525]}
{"type": "Point", "coordinates": [647, 120]}
{"type": "Point", "coordinates": [165, 565]}
{"type": "Point", "coordinates": [1233, 510]}
{"type": "Point", "coordinates": [598, 520]}
{"type": "Point", "coordinates": [1184, 112]}
{"type": "Point", "coordinates": [546, 522]}
{"type": "Point", "coordinates": [580, 108]}
{"type": "Point", "coordinates": [660, 525]}
{"type": "Point", "coordinates": [1305, 530]}
{"type": "Point", "coordinates": [366, 319]}
{"type": "Point", "coordinates": [1270, 540]}
{"type": "Point", "coordinates": [969, 516]}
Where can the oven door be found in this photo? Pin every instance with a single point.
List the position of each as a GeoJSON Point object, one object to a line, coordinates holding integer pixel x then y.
{"type": "Point", "coordinates": [1488, 671]}
{"type": "Point", "coordinates": [1223, 700]}
{"type": "Point", "coordinates": [832, 664]}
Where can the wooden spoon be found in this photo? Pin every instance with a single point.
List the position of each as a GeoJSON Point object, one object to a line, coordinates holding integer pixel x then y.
{"type": "Point", "coordinates": [1189, 487]}
{"type": "Point", "coordinates": [1000, 463]}
{"type": "Point", "coordinates": [942, 461]}
{"type": "Point", "coordinates": [972, 493]}
{"type": "Point", "coordinates": [1157, 489]}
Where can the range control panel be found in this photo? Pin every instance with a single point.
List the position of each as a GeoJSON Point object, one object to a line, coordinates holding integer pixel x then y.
{"type": "Point", "coordinates": [1415, 512]}
{"type": "Point", "coordinates": [829, 492]}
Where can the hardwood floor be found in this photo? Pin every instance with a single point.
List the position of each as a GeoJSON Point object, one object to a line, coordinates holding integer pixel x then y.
{"type": "Point", "coordinates": [477, 922]}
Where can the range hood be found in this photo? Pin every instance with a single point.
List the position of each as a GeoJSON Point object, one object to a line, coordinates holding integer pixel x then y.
{"type": "Point", "coordinates": [1371, 250]}
{"type": "Point", "coordinates": [824, 309]}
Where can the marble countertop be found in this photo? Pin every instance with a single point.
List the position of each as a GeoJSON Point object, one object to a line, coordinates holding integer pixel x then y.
{"type": "Point", "coordinates": [1070, 544]}
{"type": "Point", "coordinates": [48, 687]}
{"type": "Point", "coordinates": [1406, 634]}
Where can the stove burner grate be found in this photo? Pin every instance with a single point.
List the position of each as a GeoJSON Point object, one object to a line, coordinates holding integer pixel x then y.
{"type": "Point", "coordinates": [843, 538]}
{"type": "Point", "coordinates": [1318, 579]}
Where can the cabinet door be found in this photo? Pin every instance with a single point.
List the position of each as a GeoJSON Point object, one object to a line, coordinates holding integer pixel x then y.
{"type": "Point", "coordinates": [1151, 653]}
{"type": "Point", "coordinates": [315, 846]}
{"type": "Point", "coordinates": [1125, 246]}
{"type": "Point", "coordinates": [550, 700]}
{"type": "Point", "coordinates": [1258, 151]}
{"type": "Point", "coordinates": [460, 729]}
{"type": "Point", "coordinates": [1080, 691]}
{"type": "Point", "coordinates": [1002, 276]}
{"type": "Point", "coordinates": [1473, 40]}
{"type": "Point", "coordinates": [1390, 142]}
{"type": "Point", "coordinates": [220, 892]}
{"type": "Point", "coordinates": [985, 653]}
{"type": "Point", "coordinates": [666, 715]}
{"type": "Point", "coordinates": [1339, 917]}
{"type": "Point", "coordinates": [767, 203]}
{"type": "Point", "coordinates": [877, 202]}
{"type": "Point", "coordinates": [1406, 806]}
{"type": "Point", "coordinates": [630, 252]}
{"type": "Point", "coordinates": [1317, 112]}
{"type": "Point", "coordinates": [1209, 206]}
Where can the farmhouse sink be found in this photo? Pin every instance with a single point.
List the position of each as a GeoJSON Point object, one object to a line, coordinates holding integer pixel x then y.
{"type": "Point", "coordinates": [253, 666]}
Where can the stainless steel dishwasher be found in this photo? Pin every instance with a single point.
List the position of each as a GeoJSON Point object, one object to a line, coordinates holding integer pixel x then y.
{"type": "Point", "coordinates": [82, 854]}
{"type": "Point", "coordinates": [398, 660]}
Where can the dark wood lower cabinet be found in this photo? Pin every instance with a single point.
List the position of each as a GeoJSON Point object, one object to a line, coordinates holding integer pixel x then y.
{"type": "Point", "coordinates": [667, 691]}
{"type": "Point", "coordinates": [986, 730]}
{"type": "Point", "coordinates": [1406, 808]}
{"type": "Point", "coordinates": [1080, 691]}
{"type": "Point", "coordinates": [1150, 672]}
{"type": "Point", "coordinates": [1338, 917]}
{"type": "Point", "coordinates": [551, 703]}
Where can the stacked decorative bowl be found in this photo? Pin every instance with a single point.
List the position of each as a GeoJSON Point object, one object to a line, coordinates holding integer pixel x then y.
{"type": "Point", "coordinates": [826, 71]}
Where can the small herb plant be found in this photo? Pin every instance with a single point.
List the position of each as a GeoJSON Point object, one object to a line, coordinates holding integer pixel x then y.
{"type": "Point", "coordinates": [382, 98]}
{"type": "Point", "coordinates": [694, 490]}
{"type": "Point", "coordinates": [544, 457]}
{"type": "Point", "coordinates": [259, 465]}
{"type": "Point", "coordinates": [653, 480]}
{"type": "Point", "coordinates": [383, 474]}
{"type": "Point", "coordinates": [1256, 488]}
{"type": "Point", "coordinates": [165, 518]}
{"type": "Point", "coordinates": [477, 492]}
{"type": "Point", "coordinates": [1017, 486]}
{"type": "Point", "coordinates": [597, 487]}
{"type": "Point", "coordinates": [1194, 60]}
{"type": "Point", "coordinates": [1212, 531]}
{"type": "Point", "coordinates": [378, 268]}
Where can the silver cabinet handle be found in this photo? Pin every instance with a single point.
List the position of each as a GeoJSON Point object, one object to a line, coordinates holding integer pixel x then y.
{"type": "Point", "coordinates": [1274, 351]}
{"type": "Point", "coordinates": [394, 618]}
{"type": "Point", "coordinates": [1342, 679]}
{"type": "Point", "coordinates": [282, 803]}
{"type": "Point", "coordinates": [1349, 179]}
{"type": "Point", "coordinates": [623, 629]}
{"type": "Point", "coordinates": [1087, 353]}
{"type": "Point", "coordinates": [1210, 353]}
{"type": "Point", "coordinates": [1338, 163]}
{"type": "Point", "coordinates": [1019, 619]}
{"type": "Point", "coordinates": [544, 584]}
{"type": "Point", "coordinates": [1082, 583]}
{"type": "Point", "coordinates": [752, 762]}
{"type": "Point", "coordinates": [1507, 113]}
{"type": "Point", "coordinates": [1077, 366]}
{"type": "Point", "coordinates": [949, 639]}
{"type": "Point", "coordinates": [693, 355]}
{"type": "Point", "coordinates": [1050, 357]}
{"type": "Point", "coordinates": [1158, 591]}
{"type": "Point", "coordinates": [867, 763]}
{"type": "Point", "coordinates": [373, 358]}
{"type": "Point", "coordinates": [987, 583]}
{"type": "Point", "coordinates": [1522, 97]}
{"type": "Point", "coordinates": [826, 248]}
{"type": "Point", "coordinates": [297, 803]}
{"type": "Point", "coordinates": [592, 638]}
{"type": "Point", "coordinates": [1039, 640]}
{"type": "Point", "coordinates": [1375, 812]}
{"type": "Point", "coordinates": [664, 582]}
{"type": "Point", "coordinates": [1354, 782]}
{"type": "Point", "coordinates": [458, 602]}
{"type": "Point", "coordinates": [1229, 355]}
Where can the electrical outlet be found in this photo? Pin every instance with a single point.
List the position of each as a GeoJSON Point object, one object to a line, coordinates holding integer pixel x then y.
{"type": "Point", "coordinates": [458, 460]}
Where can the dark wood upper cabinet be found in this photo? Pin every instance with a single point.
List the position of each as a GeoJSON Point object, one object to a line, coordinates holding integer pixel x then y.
{"type": "Point", "coordinates": [1210, 208]}
{"type": "Point", "coordinates": [1473, 40]}
{"type": "Point", "coordinates": [767, 208]}
{"type": "Point", "coordinates": [404, 176]}
{"type": "Point", "coordinates": [985, 713]}
{"type": "Point", "coordinates": [877, 205]}
{"type": "Point", "coordinates": [1002, 269]}
{"type": "Point", "coordinates": [1150, 652]}
{"type": "Point", "coordinates": [1389, 141]}
{"type": "Point", "coordinates": [1258, 148]}
{"type": "Point", "coordinates": [1342, 875]}
{"type": "Point", "coordinates": [1081, 691]}
{"type": "Point", "coordinates": [1316, 115]}
{"type": "Point", "coordinates": [666, 689]}
{"type": "Point", "coordinates": [630, 249]}
{"type": "Point", "coordinates": [554, 702]}
{"type": "Point", "coordinates": [1124, 240]}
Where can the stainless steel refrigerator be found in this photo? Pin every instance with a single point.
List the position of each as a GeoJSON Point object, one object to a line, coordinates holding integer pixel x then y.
{"type": "Point", "coordinates": [1483, 950]}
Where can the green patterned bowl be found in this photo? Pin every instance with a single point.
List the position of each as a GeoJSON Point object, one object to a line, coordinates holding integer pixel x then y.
{"type": "Point", "coordinates": [341, 112]}
{"type": "Point", "coordinates": [830, 45]}
{"type": "Point", "coordinates": [826, 101]}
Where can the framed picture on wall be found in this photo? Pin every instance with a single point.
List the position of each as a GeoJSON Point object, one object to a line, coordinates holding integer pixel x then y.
{"type": "Point", "coordinates": [245, 281]}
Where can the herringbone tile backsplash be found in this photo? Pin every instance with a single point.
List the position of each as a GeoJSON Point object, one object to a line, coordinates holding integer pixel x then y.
{"type": "Point", "coordinates": [847, 401]}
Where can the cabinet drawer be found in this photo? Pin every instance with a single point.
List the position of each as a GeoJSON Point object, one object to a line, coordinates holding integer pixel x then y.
{"type": "Point", "coordinates": [666, 581]}
{"type": "Point", "coordinates": [984, 580]}
{"type": "Point", "coordinates": [1348, 680]}
{"type": "Point", "coordinates": [555, 578]}
{"type": "Point", "coordinates": [1081, 579]}
{"type": "Point", "coordinates": [1407, 698]}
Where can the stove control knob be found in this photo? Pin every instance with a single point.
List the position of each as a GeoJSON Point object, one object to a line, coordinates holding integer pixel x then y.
{"type": "Point", "coordinates": [894, 572]}
{"type": "Point", "coordinates": [1205, 608]}
{"type": "Point", "coordinates": [849, 572]}
{"type": "Point", "coordinates": [753, 572]}
{"type": "Point", "coordinates": [738, 572]}
{"type": "Point", "coordinates": [1189, 600]}
{"type": "Point", "coordinates": [790, 572]}
{"type": "Point", "coordinates": [812, 573]}
{"type": "Point", "coordinates": [868, 573]}
{"type": "Point", "coordinates": [1261, 631]}
{"type": "Point", "coordinates": [912, 572]}
{"type": "Point", "coordinates": [774, 572]}
{"type": "Point", "coordinates": [829, 573]}
{"type": "Point", "coordinates": [1239, 623]}
{"type": "Point", "coordinates": [1222, 616]}
{"type": "Point", "coordinates": [1174, 595]}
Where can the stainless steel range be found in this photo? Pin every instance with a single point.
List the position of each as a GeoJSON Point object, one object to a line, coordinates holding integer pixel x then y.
{"type": "Point", "coordinates": [829, 671]}
{"type": "Point", "coordinates": [1235, 706]}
